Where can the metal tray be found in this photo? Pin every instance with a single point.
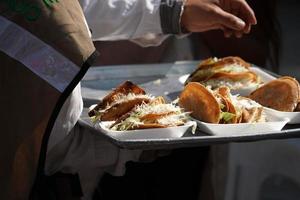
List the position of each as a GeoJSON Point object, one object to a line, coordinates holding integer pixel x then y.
{"type": "Point", "coordinates": [100, 80]}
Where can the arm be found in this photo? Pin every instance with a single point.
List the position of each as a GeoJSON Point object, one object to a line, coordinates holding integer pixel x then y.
{"type": "Point", "coordinates": [232, 16]}
{"type": "Point", "coordinates": [132, 19]}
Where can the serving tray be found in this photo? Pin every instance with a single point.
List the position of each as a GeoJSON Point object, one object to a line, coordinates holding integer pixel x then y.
{"type": "Point", "coordinates": [160, 80]}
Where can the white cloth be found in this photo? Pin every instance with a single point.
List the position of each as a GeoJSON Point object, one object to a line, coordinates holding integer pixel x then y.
{"type": "Point", "coordinates": [90, 155]}
{"type": "Point", "coordinates": [135, 20]}
{"type": "Point", "coordinates": [122, 19]}
{"type": "Point", "coordinates": [67, 118]}
{"type": "Point", "coordinates": [79, 151]}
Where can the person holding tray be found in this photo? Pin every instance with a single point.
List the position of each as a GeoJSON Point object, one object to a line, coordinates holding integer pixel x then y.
{"type": "Point", "coordinates": [49, 126]}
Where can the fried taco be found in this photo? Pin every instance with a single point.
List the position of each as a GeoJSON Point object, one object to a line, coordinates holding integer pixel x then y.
{"type": "Point", "coordinates": [119, 102]}
{"type": "Point", "coordinates": [232, 72]}
{"type": "Point", "coordinates": [282, 94]}
{"type": "Point", "coordinates": [219, 106]}
{"type": "Point", "coordinates": [155, 114]}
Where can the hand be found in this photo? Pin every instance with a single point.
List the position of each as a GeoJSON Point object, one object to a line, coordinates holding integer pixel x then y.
{"type": "Point", "coordinates": [231, 16]}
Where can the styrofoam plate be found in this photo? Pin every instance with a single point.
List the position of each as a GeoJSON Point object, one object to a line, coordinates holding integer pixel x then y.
{"type": "Point", "coordinates": [294, 117]}
{"type": "Point", "coordinates": [153, 133]}
{"type": "Point", "coordinates": [273, 123]}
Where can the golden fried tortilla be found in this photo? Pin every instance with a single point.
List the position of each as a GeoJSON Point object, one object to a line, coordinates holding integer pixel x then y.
{"type": "Point", "coordinates": [224, 91]}
{"type": "Point", "coordinates": [195, 98]}
{"type": "Point", "coordinates": [154, 117]}
{"type": "Point", "coordinates": [146, 126]}
{"type": "Point", "coordinates": [118, 110]}
{"type": "Point", "coordinates": [251, 76]}
{"type": "Point", "coordinates": [125, 88]}
{"type": "Point", "coordinates": [210, 67]}
{"type": "Point", "coordinates": [230, 60]}
{"type": "Point", "coordinates": [294, 80]}
{"type": "Point", "coordinates": [228, 105]}
{"type": "Point", "coordinates": [281, 94]}
{"type": "Point", "coordinates": [232, 109]}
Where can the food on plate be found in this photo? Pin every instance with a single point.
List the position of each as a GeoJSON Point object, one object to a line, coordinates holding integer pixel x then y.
{"type": "Point", "coordinates": [129, 107]}
{"type": "Point", "coordinates": [219, 106]}
{"type": "Point", "coordinates": [282, 94]}
{"type": "Point", "coordinates": [120, 101]}
{"type": "Point", "coordinates": [232, 72]}
{"type": "Point", "coordinates": [155, 114]}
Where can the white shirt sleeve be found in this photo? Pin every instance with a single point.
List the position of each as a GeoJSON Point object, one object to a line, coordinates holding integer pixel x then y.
{"type": "Point", "coordinates": [122, 19]}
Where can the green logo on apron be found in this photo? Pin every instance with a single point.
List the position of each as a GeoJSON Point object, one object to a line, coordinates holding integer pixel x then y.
{"type": "Point", "coordinates": [49, 3]}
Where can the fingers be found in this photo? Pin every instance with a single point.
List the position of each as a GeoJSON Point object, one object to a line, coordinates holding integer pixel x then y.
{"type": "Point", "coordinates": [229, 21]}
{"type": "Point", "coordinates": [247, 28]}
{"type": "Point", "coordinates": [238, 34]}
{"type": "Point", "coordinates": [247, 13]}
{"type": "Point", "coordinates": [241, 9]}
{"type": "Point", "coordinates": [229, 32]}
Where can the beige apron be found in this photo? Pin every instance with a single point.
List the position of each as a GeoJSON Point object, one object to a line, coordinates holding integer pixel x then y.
{"type": "Point", "coordinates": [45, 49]}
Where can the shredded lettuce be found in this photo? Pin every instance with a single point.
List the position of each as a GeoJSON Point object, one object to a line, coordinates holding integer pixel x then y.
{"type": "Point", "coordinates": [235, 68]}
{"type": "Point", "coordinates": [227, 116]}
{"type": "Point", "coordinates": [222, 106]}
{"type": "Point", "coordinates": [96, 117]}
{"type": "Point", "coordinates": [134, 119]}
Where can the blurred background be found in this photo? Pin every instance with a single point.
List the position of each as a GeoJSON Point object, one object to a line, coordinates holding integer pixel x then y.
{"type": "Point", "coordinates": [289, 19]}
{"type": "Point", "coordinates": [266, 170]}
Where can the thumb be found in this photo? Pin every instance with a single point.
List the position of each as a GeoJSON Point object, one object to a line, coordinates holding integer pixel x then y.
{"type": "Point", "coordinates": [230, 21]}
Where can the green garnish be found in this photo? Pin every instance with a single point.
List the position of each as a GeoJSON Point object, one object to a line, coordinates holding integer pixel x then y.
{"type": "Point", "coordinates": [227, 116]}
{"type": "Point", "coordinates": [96, 117]}
{"type": "Point", "coordinates": [222, 106]}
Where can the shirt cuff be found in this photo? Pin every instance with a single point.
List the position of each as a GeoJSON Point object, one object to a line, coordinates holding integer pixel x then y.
{"type": "Point", "coordinates": [170, 16]}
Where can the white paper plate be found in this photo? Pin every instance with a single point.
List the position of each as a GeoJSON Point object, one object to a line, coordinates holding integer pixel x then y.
{"type": "Point", "coordinates": [153, 133]}
{"type": "Point", "coordinates": [294, 117]}
{"type": "Point", "coordinates": [274, 124]}
{"type": "Point", "coordinates": [265, 77]}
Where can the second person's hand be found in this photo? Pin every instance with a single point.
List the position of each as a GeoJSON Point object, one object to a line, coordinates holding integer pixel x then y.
{"type": "Point", "coordinates": [232, 16]}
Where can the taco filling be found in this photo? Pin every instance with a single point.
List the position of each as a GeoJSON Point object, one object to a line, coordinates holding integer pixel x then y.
{"type": "Point", "coordinates": [151, 115]}
{"type": "Point", "coordinates": [232, 72]}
